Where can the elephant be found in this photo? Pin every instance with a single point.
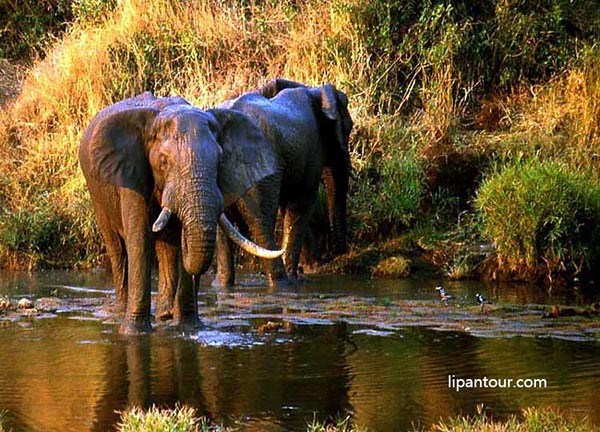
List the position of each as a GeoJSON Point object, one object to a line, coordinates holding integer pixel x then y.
{"type": "Point", "coordinates": [309, 128]}
{"type": "Point", "coordinates": [149, 158]}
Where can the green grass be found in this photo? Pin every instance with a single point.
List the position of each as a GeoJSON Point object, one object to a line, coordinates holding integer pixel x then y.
{"type": "Point", "coordinates": [534, 420]}
{"type": "Point", "coordinates": [179, 419]}
{"type": "Point", "coordinates": [542, 217]}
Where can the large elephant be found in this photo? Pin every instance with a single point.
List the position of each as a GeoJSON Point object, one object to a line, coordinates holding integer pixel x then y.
{"type": "Point", "coordinates": [309, 128]}
{"type": "Point", "coordinates": [147, 153]}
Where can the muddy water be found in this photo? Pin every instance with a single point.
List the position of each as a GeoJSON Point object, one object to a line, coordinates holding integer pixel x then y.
{"type": "Point", "coordinates": [381, 351]}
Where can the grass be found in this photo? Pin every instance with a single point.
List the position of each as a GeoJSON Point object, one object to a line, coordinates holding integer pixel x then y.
{"type": "Point", "coordinates": [3, 426]}
{"type": "Point", "coordinates": [178, 419]}
{"type": "Point", "coordinates": [534, 420]}
{"type": "Point", "coordinates": [531, 420]}
{"type": "Point", "coordinates": [439, 94]}
{"type": "Point", "coordinates": [543, 218]}
{"type": "Point", "coordinates": [395, 267]}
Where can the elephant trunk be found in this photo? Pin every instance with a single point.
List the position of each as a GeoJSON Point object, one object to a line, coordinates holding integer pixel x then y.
{"type": "Point", "coordinates": [336, 186]}
{"type": "Point", "coordinates": [198, 214]}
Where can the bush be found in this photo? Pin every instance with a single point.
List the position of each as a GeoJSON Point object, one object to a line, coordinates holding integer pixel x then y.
{"type": "Point", "coordinates": [543, 217]}
{"type": "Point", "coordinates": [390, 188]}
{"type": "Point", "coordinates": [27, 26]}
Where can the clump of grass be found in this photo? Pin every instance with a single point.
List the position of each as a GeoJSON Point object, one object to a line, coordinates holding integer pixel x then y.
{"type": "Point", "coordinates": [534, 420]}
{"type": "Point", "coordinates": [178, 419]}
{"type": "Point", "coordinates": [543, 217]}
{"type": "Point", "coordinates": [3, 422]}
{"type": "Point", "coordinates": [338, 424]}
{"type": "Point", "coordinates": [395, 267]}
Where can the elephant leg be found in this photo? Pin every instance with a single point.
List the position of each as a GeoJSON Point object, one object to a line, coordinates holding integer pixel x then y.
{"type": "Point", "coordinates": [115, 250]}
{"type": "Point", "coordinates": [168, 274]}
{"type": "Point", "coordinates": [258, 208]}
{"type": "Point", "coordinates": [225, 275]}
{"type": "Point", "coordinates": [185, 311]}
{"type": "Point", "coordinates": [118, 263]}
{"type": "Point", "coordinates": [294, 227]}
{"type": "Point", "coordinates": [137, 241]}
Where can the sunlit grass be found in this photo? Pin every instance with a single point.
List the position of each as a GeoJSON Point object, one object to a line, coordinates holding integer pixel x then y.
{"type": "Point", "coordinates": [178, 419]}
{"type": "Point", "coordinates": [542, 215]}
{"type": "Point", "coordinates": [412, 97]}
{"type": "Point", "coordinates": [534, 420]}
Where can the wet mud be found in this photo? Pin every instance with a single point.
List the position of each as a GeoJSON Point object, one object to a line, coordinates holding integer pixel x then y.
{"type": "Point", "coordinates": [248, 311]}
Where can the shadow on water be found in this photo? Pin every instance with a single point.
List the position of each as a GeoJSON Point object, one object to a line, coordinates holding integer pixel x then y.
{"type": "Point", "coordinates": [71, 371]}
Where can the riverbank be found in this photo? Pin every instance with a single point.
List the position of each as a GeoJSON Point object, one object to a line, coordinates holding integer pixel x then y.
{"type": "Point", "coordinates": [452, 151]}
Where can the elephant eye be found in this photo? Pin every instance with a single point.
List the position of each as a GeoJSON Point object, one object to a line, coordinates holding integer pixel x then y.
{"type": "Point", "coordinates": [164, 162]}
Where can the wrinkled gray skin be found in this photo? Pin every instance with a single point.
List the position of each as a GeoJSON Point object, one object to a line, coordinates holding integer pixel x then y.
{"type": "Point", "coordinates": [145, 153]}
{"type": "Point", "coordinates": [309, 128]}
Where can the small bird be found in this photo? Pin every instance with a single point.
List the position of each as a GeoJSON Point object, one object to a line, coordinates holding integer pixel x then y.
{"type": "Point", "coordinates": [481, 300]}
{"type": "Point", "coordinates": [443, 294]}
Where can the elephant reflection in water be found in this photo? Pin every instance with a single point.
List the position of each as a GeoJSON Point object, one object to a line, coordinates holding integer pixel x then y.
{"type": "Point", "coordinates": [145, 371]}
{"type": "Point", "coordinates": [311, 373]}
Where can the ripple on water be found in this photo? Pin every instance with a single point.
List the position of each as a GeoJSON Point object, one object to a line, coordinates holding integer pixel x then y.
{"type": "Point", "coordinates": [218, 338]}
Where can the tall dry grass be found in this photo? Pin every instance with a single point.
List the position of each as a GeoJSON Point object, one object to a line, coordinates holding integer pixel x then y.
{"type": "Point", "coordinates": [405, 76]}
{"type": "Point", "coordinates": [205, 51]}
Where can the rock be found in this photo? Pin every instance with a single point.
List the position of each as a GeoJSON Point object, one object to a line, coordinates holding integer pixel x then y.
{"type": "Point", "coordinates": [25, 303]}
{"type": "Point", "coordinates": [48, 304]}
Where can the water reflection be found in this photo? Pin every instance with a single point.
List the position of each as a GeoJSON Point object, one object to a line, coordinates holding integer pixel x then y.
{"type": "Point", "coordinates": [61, 374]}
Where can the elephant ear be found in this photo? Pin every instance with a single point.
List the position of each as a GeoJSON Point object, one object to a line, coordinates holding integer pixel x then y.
{"type": "Point", "coordinates": [248, 156]}
{"type": "Point", "coordinates": [334, 105]}
{"type": "Point", "coordinates": [115, 144]}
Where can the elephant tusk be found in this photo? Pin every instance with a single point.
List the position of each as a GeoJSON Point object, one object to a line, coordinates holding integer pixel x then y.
{"type": "Point", "coordinates": [162, 220]}
{"type": "Point", "coordinates": [244, 243]}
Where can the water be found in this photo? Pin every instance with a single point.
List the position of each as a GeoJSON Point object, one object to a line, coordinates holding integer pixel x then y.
{"type": "Point", "coordinates": [72, 371]}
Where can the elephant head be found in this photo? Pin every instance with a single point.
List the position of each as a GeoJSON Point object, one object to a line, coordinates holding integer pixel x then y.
{"type": "Point", "coordinates": [336, 125]}
{"type": "Point", "coordinates": [192, 162]}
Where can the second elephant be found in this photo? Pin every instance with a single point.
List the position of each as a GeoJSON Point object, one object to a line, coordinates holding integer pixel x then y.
{"type": "Point", "coordinates": [309, 128]}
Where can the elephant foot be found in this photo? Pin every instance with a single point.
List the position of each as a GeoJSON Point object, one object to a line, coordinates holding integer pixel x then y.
{"type": "Point", "coordinates": [137, 325]}
{"type": "Point", "coordinates": [280, 283]}
{"type": "Point", "coordinates": [164, 316]}
{"type": "Point", "coordinates": [118, 308]}
{"type": "Point", "coordinates": [219, 282]}
{"type": "Point", "coordinates": [187, 322]}
{"type": "Point", "coordinates": [164, 308]}
{"type": "Point", "coordinates": [164, 313]}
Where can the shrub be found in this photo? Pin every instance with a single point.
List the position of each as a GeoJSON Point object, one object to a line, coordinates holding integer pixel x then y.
{"type": "Point", "coordinates": [541, 216]}
{"type": "Point", "coordinates": [396, 267]}
{"type": "Point", "coordinates": [27, 26]}
{"type": "Point", "coordinates": [390, 182]}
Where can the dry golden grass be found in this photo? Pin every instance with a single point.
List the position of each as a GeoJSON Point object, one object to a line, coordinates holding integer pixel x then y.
{"type": "Point", "coordinates": [210, 50]}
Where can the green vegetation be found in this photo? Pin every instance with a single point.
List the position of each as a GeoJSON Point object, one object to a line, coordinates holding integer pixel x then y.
{"type": "Point", "coordinates": [179, 419]}
{"type": "Point", "coordinates": [543, 216]}
{"type": "Point", "coordinates": [3, 427]}
{"type": "Point", "coordinates": [443, 94]}
{"type": "Point", "coordinates": [395, 267]}
{"type": "Point", "coordinates": [339, 424]}
{"type": "Point", "coordinates": [534, 420]}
